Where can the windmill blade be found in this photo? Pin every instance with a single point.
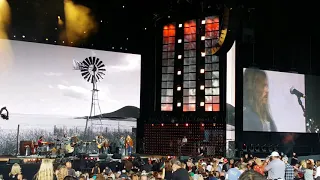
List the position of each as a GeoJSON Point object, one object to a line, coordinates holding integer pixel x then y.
{"type": "Point", "coordinates": [86, 62]}
{"type": "Point", "coordinates": [99, 63]}
{"type": "Point", "coordinates": [99, 76]}
{"type": "Point", "coordinates": [102, 69]}
{"type": "Point", "coordinates": [85, 75]}
{"type": "Point", "coordinates": [91, 61]}
{"type": "Point", "coordinates": [101, 66]}
{"type": "Point", "coordinates": [90, 79]}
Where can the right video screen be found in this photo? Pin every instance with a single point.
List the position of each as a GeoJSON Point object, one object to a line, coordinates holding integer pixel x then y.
{"type": "Point", "coordinates": [280, 102]}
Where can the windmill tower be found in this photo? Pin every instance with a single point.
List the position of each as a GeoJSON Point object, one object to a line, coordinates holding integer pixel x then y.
{"type": "Point", "coordinates": [92, 70]}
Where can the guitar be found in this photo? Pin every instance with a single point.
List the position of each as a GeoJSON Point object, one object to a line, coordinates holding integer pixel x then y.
{"type": "Point", "coordinates": [69, 148]}
{"type": "Point", "coordinates": [99, 146]}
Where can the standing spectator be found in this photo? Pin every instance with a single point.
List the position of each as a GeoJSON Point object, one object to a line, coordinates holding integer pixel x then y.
{"type": "Point", "coordinates": [317, 175]}
{"type": "Point", "coordinates": [294, 159]}
{"type": "Point", "coordinates": [259, 166]}
{"type": "Point", "coordinates": [46, 171]}
{"type": "Point", "coordinates": [178, 172]}
{"type": "Point", "coordinates": [71, 171]}
{"type": "Point", "coordinates": [276, 167]}
{"type": "Point", "coordinates": [308, 174]}
{"type": "Point", "coordinates": [289, 171]}
{"type": "Point", "coordinates": [15, 172]}
{"type": "Point", "coordinates": [234, 173]}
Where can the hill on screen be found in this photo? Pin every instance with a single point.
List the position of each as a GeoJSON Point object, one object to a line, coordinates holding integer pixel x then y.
{"type": "Point", "coordinates": [122, 113]}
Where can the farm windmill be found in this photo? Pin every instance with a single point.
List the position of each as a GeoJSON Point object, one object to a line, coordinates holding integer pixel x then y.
{"type": "Point", "coordinates": [92, 70]}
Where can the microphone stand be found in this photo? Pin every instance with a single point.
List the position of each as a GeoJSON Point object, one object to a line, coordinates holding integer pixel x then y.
{"type": "Point", "coordinates": [302, 106]}
{"type": "Point", "coordinates": [310, 123]}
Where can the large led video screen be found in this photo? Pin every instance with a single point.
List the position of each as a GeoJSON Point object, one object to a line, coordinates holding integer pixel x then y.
{"type": "Point", "coordinates": [275, 102]}
{"type": "Point", "coordinates": [48, 95]}
{"type": "Point", "coordinates": [231, 101]}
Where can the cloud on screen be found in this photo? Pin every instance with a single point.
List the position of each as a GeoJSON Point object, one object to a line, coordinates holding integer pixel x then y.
{"type": "Point", "coordinates": [53, 74]}
{"type": "Point", "coordinates": [129, 63]}
{"type": "Point", "coordinates": [75, 92]}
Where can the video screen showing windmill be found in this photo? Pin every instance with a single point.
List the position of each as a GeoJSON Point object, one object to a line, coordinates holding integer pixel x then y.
{"type": "Point", "coordinates": [48, 95]}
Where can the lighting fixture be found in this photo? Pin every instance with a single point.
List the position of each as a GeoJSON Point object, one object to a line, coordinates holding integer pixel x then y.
{"type": "Point", "coordinates": [179, 73]}
{"type": "Point", "coordinates": [202, 87]}
{"type": "Point", "coordinates": [201, 71]}
{"type": "Point", "coordinates": [179, 104]}
{"type": "Point", "coordinates": [179, 88]}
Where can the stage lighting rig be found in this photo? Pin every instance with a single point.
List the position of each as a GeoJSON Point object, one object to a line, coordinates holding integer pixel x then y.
{"type": "Point", "coordinates": [4, 113]}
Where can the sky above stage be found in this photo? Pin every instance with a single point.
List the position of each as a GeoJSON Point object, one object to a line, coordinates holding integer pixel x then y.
{"type": "Point", "coordinates": [39, 79]}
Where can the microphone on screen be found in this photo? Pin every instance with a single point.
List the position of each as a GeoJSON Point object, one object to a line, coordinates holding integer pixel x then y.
{"type": "Point", "coordinates": [296, 92]}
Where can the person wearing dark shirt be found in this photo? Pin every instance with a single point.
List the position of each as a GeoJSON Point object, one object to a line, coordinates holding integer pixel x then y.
{"type": "Point", "coordinates": [294, 159]}
{"type": "Point", "coordinates": [95, 170]}
{"type": "Point", "coordinates": [179, 173]}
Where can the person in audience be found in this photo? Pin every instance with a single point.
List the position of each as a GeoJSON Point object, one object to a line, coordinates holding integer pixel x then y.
{"type": "Point", "coordinates": [62, 173]}
{"type": "Point", "coordinates": [289, 171]}
{"type": "Point", "coordinates": [45, 171]}
{"type": "Point", "coordinates": [234, 173]}
{"type": "Point", "coordinates": [294, 159]}
{"type": "Point", "coordinates": [100, 177]}
{"type": "Point", "coordinates": [179, 173]}
{"type": "Point", "coordinates": [256, 113]}
{"type": "Point", "coordinates": [308, 174]}
{"type": "Point", "coordinates": [15, 172]}
{"type": "Point", "coordinates": [251, 175]}
{"type": "Point", "coordinates": [71, 171]}
{"type": "Point", "coordinates": [70, 178]}
{"type": "Point", "coordinates": [96, 169]}
{"type": "Point", "coordinates": [276, 167]}
{"type": "Point", "coordinates": [317, 174]}
{"type": "Point", "coordinates": [259, 166]}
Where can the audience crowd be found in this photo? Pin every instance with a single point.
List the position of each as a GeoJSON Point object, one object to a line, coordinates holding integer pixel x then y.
{"type": "Point", "coordinates": [247, 168]}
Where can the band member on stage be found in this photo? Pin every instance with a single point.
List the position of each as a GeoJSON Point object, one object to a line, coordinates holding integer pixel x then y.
{"type": "Point", "coordinates": [100, 143]}
{"type": "Point", "coordinates": [184, 140]}
{"type": "Point", "coordinates": [122, 146]}
{"type": "Point", "coordinates": [129, 145]}
{"type": "Point", "coordinates": [40, 141]}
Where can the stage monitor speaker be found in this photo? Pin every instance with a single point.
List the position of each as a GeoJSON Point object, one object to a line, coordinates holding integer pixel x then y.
{"type": "Point", "coordinates": [13, 161]}
{"type": "Point", "coordinates": [116, 156]}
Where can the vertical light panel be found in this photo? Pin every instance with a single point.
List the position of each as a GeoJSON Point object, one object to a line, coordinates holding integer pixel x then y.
{"type": "Point", "coordinates": [212, 87]}
{"type": "Point", "coordinates": [189, 66]}
{"type": "Point", "coordinates": [168, 54]}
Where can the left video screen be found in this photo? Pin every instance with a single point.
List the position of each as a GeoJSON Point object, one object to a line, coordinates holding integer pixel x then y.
{"type": "Point", "coordinates": [48, 92]}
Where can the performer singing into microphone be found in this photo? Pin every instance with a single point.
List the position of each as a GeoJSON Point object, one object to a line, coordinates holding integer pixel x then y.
{"type": "Point", "coordinates": [256, 114]}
